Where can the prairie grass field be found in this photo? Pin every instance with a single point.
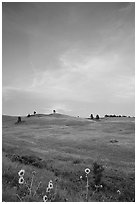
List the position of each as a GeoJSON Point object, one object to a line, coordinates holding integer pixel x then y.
{"type": "Point", "coordinates": [59, 148]}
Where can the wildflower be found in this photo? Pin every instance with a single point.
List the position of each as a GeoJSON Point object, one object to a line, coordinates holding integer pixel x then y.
{"type": "Point", "coordinates": [48, 190]}
{"type": "Point", "coordinates": [21, 172]}
{"type": "Point", "coordinates": [118, 191]}
{"type": "Point", "coordinates": [87, 170]}
{"type": "Point", "coordinates": [81, 177]}
{"type": "Point", "coordinates": [98, 186]}
{"type": "Point", "coordinates": [45, 198]}
{"type": "Point", "coordinates": [21, 180]}
{"type": "Point", "coordinates": [65, 199]}
{"type": "Point", "coordinates": [50, 185]}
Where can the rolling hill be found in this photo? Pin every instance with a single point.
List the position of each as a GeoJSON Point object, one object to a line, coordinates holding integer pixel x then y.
{"type": "Point", "coordinates": [67, 145]}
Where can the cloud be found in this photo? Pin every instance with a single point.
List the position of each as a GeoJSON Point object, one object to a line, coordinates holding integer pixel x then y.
{"type": "Point", "coordinates": [128, 8]}
{"type": "Point", "coordinates": [86, 78]}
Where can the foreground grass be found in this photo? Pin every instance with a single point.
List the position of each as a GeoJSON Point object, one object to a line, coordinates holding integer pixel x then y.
{"type": "Point", "coordinates": [71, 181]}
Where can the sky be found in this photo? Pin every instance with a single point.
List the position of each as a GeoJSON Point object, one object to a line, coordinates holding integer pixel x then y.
{"type": "Point", "coordinates": [77, 58]}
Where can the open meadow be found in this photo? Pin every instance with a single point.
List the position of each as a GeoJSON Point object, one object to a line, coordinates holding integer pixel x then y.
{"type": "Point", "coordinates": [59, 148]}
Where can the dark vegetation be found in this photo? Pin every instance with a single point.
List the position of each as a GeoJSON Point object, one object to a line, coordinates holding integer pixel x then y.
{"type": "Point", "coordinates": [97, 172]}
{"type": "Point", "coordinates": [92, 117]}
{"type": "Point", "coordinates": [97, 117]}
{"type": "Point", "coordinates": [114, 116]}
{"type": "Point", "coordinates": [19, 120]}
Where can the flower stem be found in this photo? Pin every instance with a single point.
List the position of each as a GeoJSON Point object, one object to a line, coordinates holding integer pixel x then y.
{"type": "Point", "coordinates": [19, 197]}
{"type": "Point", "coordinates": [87, 188]}
{"type": "Point", "coordinates": [37, 188]}
{"type": "Point", "coordinates": [31, 184]}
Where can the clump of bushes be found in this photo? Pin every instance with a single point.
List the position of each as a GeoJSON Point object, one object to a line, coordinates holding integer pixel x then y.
{"type": "Point", "coordinates": [92, 117]}
{"type": "Point", "coordinates": [97, 173]}
{"type": "Point", "coordinates": [97, 117]}
{"type": "Point", "coordinates": [18, 120]}
{"type": "Point", "coordinates": [114, 116]}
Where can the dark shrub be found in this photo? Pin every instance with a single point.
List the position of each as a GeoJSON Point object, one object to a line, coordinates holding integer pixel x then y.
{"type": "Point", "coordinates": [76, 161]}
{"type": "Point", "coordinates": [97, 172]}
{"type": "Point", "coordinates": [19, 119]}
{"type": "Point", "coordinates": [97, 117]}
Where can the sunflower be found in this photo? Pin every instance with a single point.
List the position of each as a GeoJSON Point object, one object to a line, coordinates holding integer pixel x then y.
{"type": "Point", "coordinates": [87, 170]}
{"type": "Point", "coordinates": [50, 185]}
{"type": "Point", "coordinates": [45, 198]}
{"type": "Point", "coordinates": [21, 172]}
{"type": "Point", "coordinates": [21, 180]}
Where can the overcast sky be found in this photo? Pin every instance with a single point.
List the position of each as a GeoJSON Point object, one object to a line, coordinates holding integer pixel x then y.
{"type": "Point", "coordinates": [77, 58]}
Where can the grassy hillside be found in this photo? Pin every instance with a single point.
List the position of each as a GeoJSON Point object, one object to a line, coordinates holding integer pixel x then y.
{"type": "Point", "coordinates": [60, 147]}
